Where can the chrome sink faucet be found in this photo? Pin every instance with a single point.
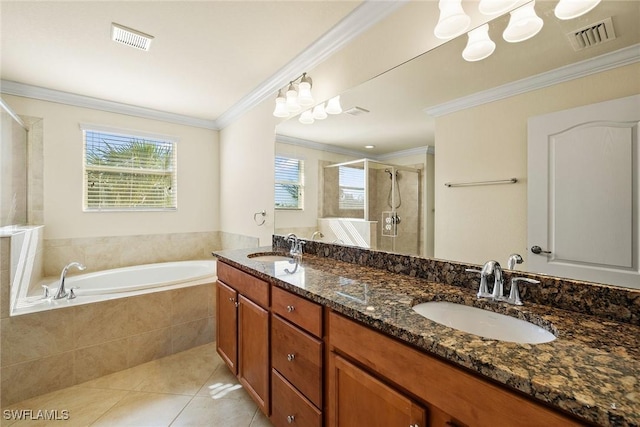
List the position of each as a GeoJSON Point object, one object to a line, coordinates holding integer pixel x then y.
{"type": "Point", "coordinates": [489, 268]}
{"type": "Point", "coordinates": [61, 292]}
{"type": "Point", "coordinates": [296, 245]}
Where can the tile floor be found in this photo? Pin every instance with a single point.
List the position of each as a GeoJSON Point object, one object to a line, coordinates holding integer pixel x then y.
{"type": "Point", "coordinates": [191, 388]}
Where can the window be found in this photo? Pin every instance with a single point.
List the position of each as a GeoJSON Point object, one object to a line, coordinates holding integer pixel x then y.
{"type": "Point", "coordinates": [128, 172]}
{"type": "Point", "coordinates": [289, 174]}
{"type": "Point", "coordinates": [351, 184]}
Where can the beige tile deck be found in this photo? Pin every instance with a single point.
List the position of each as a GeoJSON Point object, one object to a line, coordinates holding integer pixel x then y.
{"type": "Point", "coordinates": [191, 388]}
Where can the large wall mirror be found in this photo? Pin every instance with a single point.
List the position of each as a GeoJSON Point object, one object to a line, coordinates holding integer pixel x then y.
{"type": "Point", "coordinates": [439, 119]}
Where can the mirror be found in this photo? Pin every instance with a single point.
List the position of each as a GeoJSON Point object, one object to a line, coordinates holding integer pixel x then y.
{"type": "Point", "coordinates": [482, 131]}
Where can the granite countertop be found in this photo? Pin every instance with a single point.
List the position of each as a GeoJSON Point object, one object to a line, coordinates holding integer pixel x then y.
{"type": "Point", "coordinates": [592, 369]}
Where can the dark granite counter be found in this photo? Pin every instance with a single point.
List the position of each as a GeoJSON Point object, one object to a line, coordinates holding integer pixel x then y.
{"type": "Point", "coordinates": [591, 370]}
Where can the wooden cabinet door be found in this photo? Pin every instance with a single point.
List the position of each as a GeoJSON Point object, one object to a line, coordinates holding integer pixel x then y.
{"type": "Point", "coordinates": [227, 325]}
{"type": "Point", "coordinates": [359, 399]}
{"type": "Point", "coordinates": [253, 351]}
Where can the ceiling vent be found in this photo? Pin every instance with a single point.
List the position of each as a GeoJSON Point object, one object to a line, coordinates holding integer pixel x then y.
{"type": "Point", "coordinates": [130, 37]}
{"type": "Point", "coordinates": [592, 35]}
{"type": "Point", "coordinates": [356, 111]}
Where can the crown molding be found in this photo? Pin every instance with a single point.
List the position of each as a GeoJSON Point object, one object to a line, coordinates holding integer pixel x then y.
{"type": "Point", "coordinates": [351, 26]}
{"type": "Point", "coordinates": [299, 142]}
{"type": "Point", "coordinates": [608, 61]}
{"type": "Point", "coordinates": [51, 95]}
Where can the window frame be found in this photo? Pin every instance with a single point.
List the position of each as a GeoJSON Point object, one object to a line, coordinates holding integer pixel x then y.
{"type": "Point", "coordinates": [134, 135]}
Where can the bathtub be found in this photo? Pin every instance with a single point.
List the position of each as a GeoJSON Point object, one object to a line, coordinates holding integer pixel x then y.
{"type": "Point", "coordinates": [119, 283]}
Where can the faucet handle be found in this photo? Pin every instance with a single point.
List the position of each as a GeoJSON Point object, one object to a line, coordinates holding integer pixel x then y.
{"type": "Point", "coordinates": [72, 294]}
{"type": "Point", "coordinates": [46, 292]}
{"type": "Point", "coordinates": [483, 291]}
{"type": "Point", "coordinates": [514, 294]}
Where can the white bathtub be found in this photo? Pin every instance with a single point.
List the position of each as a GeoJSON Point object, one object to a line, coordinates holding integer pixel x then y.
{"type": "Point", "coordinates": [121, 283]}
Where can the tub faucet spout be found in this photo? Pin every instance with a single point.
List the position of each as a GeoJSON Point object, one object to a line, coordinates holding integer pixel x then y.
{"type": "Point", "coordinates": [61, 292]}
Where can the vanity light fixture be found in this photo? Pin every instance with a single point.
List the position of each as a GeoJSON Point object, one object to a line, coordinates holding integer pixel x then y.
{"type": "Point", "coordinates": [479, 45]}
{"type": "Point", "coordinates": [333, 106]}
{"type": "Point", "coordinates": [494, 7]}
{"type": "Point", "coordinates": [569, 9]}
{"type": "Point", "coordinates": [523, 24]}
{"type": "Point", "coordinates": [453, 20]}
{"type": "Point", "coordinates": [297, 96]}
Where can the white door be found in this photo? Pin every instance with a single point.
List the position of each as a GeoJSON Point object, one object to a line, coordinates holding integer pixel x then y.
{"type": "Point", "coordinates": [583, 192]}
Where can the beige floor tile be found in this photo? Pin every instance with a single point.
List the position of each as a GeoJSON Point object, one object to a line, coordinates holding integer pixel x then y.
{"type": "Point", "coordinates": [139, 409]}
{"type": "Point", "coordinates": [223, 384]}
{"type": "Point", "coordinates": [129, 379]}
{"type": "Point", "coordinates": [260, 420]}
{"type": "Point", "coordinates": [202, 411]}
{"type": "Point", "coordinates": [83, 406]}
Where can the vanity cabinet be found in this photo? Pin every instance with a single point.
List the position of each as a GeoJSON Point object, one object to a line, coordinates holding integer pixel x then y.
{"type": "Point", "coordinates": [242, 336]}
{"type": "Point", "coordinates": [367, 365]}
{"type": "Point", "coordinates": [296, 360]}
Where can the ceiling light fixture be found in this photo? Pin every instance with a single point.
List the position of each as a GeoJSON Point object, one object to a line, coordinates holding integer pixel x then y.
{"type": "Point", "coordinates": [494, 7]}
{"type": "Point", "coordinates": [453, 21]}
{"type": "Point", "coordinates": [569, 9]}
{"type": "Point", "coordinates": [297, 96]}
{"type": "Point", "coordinates": [479, 45]}
{"type": "Point", "coordinates": [523, 24]}
{"type": "Point", "coordinates": [130, 37]}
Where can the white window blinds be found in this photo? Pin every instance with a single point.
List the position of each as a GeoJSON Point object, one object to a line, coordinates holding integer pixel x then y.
{"type": "Point", "coordinates": [128, 172]}
{"type": "Point", "coordinates": [351, 184]}
{"type": "Point", "coordinates": [289, 183]}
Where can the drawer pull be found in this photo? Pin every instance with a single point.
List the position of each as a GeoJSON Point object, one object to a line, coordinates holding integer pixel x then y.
{"type": "Point", "coordinates": [290, 308]}
{"type": "Point", "coordinates": [290, 357]}
{"type": "Point", "coordinates": [291, 419]}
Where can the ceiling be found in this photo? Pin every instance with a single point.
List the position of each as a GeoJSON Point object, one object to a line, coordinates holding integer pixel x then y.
{"type": "Point", "coordinates": [399, 100]}
{"type": "Point", "coordinates": [205, 56]}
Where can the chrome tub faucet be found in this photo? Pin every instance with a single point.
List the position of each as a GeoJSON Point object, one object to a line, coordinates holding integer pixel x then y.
{"type": "Point", "coordinates": [61, 292]}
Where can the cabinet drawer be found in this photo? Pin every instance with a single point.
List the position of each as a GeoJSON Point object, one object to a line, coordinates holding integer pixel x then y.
{"type": "Point", "coordinates": [297, 310]}
{"type": "Point", "coordinates": [298, 357]}
{"type": "Point", "coordinates": [253, 288]}
{"type": "Point", "coordinates": [289, 407]}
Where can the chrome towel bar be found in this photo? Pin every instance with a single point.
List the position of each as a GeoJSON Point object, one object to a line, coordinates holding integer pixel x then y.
{"type": "Point", "coordinates": [469, 184]}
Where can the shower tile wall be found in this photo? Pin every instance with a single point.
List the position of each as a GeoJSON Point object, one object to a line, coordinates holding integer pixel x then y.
{"type": "Point", "coordinates": [13, 167]}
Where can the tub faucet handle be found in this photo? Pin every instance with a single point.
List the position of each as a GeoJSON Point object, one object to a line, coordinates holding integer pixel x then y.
{"type": "Point", "coordinates": [46, 292]}
{"type": "Point", "coordinates": [72, 294]}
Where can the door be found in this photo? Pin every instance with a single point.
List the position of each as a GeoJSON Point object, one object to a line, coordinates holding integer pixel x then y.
{"type": "Point", "coordinates": [583, 190]}
{"type": "Point", "coordinates": [359, 399]}
{"type": "Point", "coordinates": [227, 325]}
{"type": "Point", "coordinates": [253, 349]}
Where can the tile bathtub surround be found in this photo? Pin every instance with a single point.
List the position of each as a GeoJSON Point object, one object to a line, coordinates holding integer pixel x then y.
{"type": "Point", "coordinates": [45, 351]}
{"type": "Point", "coordinates": [607, 302]}
{"type": "Point", "coordinates": [193, 387]}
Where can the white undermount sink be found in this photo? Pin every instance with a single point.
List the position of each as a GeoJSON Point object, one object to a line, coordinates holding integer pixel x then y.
{"type": "Point", "coordinates": [266, 257]}
{"type": "Point", "coordinates": [484, 323]}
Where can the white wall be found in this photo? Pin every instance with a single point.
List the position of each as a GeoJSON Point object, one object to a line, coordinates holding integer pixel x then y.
{"type": "Point", "coordinates": [198, 175]}
{"type": "Point", "coordinates": [475, 224]}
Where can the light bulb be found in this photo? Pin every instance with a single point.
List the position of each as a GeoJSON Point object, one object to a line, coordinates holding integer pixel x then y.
{"type": "Point", "coordinates": [292, 99]}
{"type": "Point", "coordinates": [319, 113]}
{"type": "Point", "coordinates": [523, 24]}
{"type": "Point", "coordinates": [306, 118]}
{"type": "Point", "coordinates": [479, 45]}
{"type": "Point", "coordinates": [453, 21]}
{"type": "Point", "coordinates": [304, 91]}
{"type": "Point", "coordinates": [569, 9]}
{"type": "Point", "coordinates": [281, 106]}
{"type": "Point", "coordinates": [333, 106]}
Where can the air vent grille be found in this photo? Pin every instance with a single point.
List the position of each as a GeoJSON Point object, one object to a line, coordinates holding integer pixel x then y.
{"type": "Point", "coordinates": [592, 35]}
{"type": "Point", "coordinates": [130, 37]}
{"type": "Point", "coordinates": [356, 111]}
